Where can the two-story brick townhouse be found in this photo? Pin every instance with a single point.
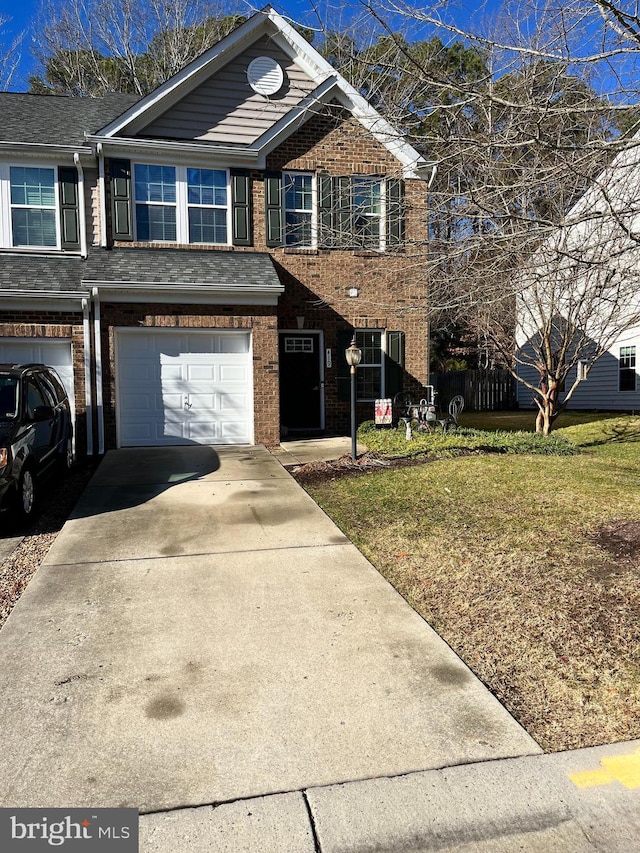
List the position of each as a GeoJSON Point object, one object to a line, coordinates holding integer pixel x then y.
{"type": "Point", "coordinates": [195, 262]}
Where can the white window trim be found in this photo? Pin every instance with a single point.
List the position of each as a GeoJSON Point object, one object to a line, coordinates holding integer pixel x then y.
{"type": "Point", "coordinates": [313, 211]}
{"type": "Point", "coordinates": [382, 216]}
{"type": "Point", "coordinates": [181, 204]}
{"type": "Point", "coordinates": [383, 351]}
{"type": "Point", "coordinates": [6, 230]}
{"type": "Point", "coordinates": [635, 369]}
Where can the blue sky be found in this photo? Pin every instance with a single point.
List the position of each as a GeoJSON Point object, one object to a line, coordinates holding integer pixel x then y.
{"type": "Point", "coordinates": [472, 13]}
{"type": "Point", "coordinates": [23, 14]}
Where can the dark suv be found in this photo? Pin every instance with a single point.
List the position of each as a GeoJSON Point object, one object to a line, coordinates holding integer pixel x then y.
{"type": "Point", "coordinates": [35, 432]}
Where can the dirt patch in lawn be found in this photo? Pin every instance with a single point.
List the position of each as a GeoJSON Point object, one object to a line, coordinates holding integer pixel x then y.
{"type": "Point", "coordinates": [620, 539]}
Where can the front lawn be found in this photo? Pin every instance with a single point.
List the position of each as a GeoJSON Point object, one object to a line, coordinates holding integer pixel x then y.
{"type": "Point", "coordinates": [527, 565]}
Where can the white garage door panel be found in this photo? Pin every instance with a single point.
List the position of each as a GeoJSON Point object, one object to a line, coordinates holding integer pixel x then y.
{"type": "Point", "coordinates": [179, 387]}
{"type": "Point", "coordinates": [54, 352]}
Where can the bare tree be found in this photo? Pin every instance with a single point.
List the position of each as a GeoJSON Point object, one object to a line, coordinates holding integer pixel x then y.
{"type": "Point", "coordinates": [90, 47]}
{"type": "Point", "coordinates": [9, 53]}
{"type": "Point", "coordinates": [519, 137]}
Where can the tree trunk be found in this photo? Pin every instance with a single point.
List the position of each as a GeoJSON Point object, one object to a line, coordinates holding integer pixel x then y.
{"type": "Point", "coordinates": [548, 407]}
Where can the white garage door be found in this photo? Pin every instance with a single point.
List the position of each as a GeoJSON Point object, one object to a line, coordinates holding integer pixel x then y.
{"type": "Point", "coordinates": [54, 352]}
{"type": "Point", "coordinates": [176, 387]}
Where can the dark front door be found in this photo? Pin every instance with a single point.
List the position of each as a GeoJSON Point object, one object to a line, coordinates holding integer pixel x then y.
{"type": "Point", "coordinates": [300, 382]}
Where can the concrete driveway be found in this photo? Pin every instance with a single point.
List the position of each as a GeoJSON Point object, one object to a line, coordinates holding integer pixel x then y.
{"type": "Point", "coordinates": [201, 632]}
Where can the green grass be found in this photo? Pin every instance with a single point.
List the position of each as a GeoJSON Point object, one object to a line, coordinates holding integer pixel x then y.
{"type": "Point", "coordinates": [506, 555]}
{"type": "Point", "coordinates": [391, 443]}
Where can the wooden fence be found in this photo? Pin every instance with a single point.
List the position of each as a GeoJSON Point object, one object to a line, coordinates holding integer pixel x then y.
{"type": "Point", "coordinates": [483, 390]}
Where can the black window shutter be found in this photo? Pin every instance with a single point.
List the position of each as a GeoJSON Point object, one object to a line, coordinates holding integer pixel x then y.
{"type": "Point", "coordinates": [120, 180]}
{"type": "Point", "coordinates": [69, 209]}
{"type": "Point", "coordinates": [273, 209]}
{"type": "Point", "coordinates": [241, 208]}
{"type": "Point", "coordinates": [343, 223]}
{"type": "Point", "coordinates": [394, 363]}
{"type": "Point", "coordinates": [395, 214]}
{"type": "Point", "coordinates": [344, 339]}
{"type": "Point", "coordinates": [326, 228]}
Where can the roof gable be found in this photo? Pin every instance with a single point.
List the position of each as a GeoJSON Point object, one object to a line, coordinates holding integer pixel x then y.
{"type": "Point", "coordinates": [210, 103]}
{"type": "Point", "coordinates": [226, 109]}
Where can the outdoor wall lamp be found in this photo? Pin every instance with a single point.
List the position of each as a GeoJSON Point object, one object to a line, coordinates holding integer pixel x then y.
{"type": "Point", "coordinates": [353, 356]}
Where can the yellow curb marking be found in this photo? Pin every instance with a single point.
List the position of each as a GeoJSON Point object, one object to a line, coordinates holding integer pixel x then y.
{"type": "Point", "coordinates": [615, 768]}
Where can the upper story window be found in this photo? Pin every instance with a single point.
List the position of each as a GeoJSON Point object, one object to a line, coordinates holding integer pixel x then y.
{"type": "Point", "coordinates": [341, 212]}
{"type": "Point", "coordinates": [155, 194]}
{"type": "Point", "coordinates": [207, 198]}
{"type": "Point", "coordinates": [33, 206]}
{"type": "Point", "coordinates": [299, 210]}
{"type": "Point", "coordinates": [368, 224]}
{"type": "Point", "coordinates": [39, 207]}
{"type": "Point", "coordinates": [176, 204]}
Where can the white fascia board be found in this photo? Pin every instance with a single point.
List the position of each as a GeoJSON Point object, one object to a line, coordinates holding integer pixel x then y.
{"type": "Point", "coordinates": [157, 102]}
{"type": "Point", "coordinates": [414, 164]}
{"type": "Point", "coordinates": [35, 149]}
{"type": "Point", "coordinates": [179, 151]}
{"type": "Point", "coordinates": [319, 69]}
{"type": "Point", "coordinates": [193, 294]}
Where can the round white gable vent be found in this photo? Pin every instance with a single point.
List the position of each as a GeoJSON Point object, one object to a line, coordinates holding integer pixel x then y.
{"type": "Point", "coordinates": [265, 75]}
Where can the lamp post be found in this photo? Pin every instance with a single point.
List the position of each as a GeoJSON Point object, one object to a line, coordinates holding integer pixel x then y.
{"type": "Point", "coordinates": [353, 356]}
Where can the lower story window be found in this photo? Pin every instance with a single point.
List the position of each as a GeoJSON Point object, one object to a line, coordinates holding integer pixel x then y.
{"type": "Point", "coordinates": [627, 369]}
{"type": "Point", "coordinates": [369, 371]}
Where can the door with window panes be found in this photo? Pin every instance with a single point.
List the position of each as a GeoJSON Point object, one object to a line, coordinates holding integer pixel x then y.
{"type": "Point", "coordinates": [300, 381]}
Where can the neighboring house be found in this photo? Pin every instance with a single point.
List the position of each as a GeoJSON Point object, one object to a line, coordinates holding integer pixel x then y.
{"type": "Point", "coordinates": [196, 262]}
{"type": "Point", "coordinates": [585, 289]}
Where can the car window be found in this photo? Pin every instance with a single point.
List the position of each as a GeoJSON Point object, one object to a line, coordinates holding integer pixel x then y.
{"type": "Point", "coordinates": [48, 389]}
{"type": "Point", "coordinates": [55, 383]}
{"type": "Point", "coordinates": [8, 398]}
{"type": "Point", "coordinates": [34, 398]}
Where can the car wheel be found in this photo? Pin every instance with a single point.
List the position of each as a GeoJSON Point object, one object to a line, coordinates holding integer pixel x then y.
{"type": "Point", "coordinates": [26, 494]}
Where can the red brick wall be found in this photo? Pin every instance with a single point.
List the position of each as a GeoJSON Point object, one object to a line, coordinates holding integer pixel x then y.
{"type": "Point", "coordinates": [392, 287]}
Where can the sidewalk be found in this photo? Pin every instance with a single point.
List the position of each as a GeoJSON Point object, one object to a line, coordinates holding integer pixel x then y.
{"type": "Point", "coordinates": [573, 802]}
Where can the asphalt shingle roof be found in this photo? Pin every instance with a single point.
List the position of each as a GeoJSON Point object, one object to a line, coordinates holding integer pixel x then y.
{"type": "Point", "coordinates": [40, 272]}
{"type": "Point", "coordinates": [57, 120]}
{"type": "Point", "coordinates": [178, 267]}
